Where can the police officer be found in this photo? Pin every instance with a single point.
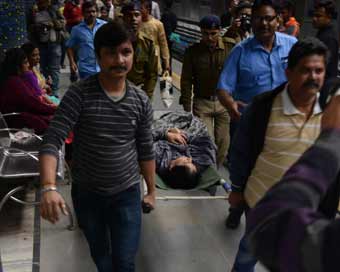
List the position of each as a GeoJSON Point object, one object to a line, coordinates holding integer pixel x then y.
{"type": "Point", "coordinates": [202, 65]}
{"type": "Point", "coordinates": [154, 29]}
{"type": "Point", "coordinates": [145, 63]}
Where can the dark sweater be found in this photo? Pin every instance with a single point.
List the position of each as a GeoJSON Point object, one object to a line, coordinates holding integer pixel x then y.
{"type": "Point", "coordinates": [329, 36]}
{"type": "Point", "coordinates": [109, 137]}
{"type": "Point", "coordinates": [286, 231]}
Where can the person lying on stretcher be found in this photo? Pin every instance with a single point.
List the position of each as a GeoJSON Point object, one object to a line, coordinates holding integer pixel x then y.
{"type": "Point", "coordinates": [181, 156]}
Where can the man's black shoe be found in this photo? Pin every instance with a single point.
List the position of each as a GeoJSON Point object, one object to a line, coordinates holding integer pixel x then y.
{"type": "Point", "coordinates": [233, 219]}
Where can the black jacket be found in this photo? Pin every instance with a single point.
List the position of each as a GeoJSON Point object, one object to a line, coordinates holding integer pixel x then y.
{"type": "Point", "coordinates": [250, 136]}
{"type": "Point", "coordinates": [329, 36]}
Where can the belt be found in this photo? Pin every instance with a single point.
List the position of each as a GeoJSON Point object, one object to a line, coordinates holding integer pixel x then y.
{"type": "Point", "coordinates": [210, 98]}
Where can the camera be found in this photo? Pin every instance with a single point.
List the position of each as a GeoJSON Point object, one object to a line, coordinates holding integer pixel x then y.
{"type": "Point", "coordinates": [245, 22]}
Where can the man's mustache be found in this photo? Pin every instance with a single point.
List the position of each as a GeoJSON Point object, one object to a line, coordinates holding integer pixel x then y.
{"type": "Point", "coordinates": [119, 68]}
{"type": "Point", "coordinates": [311, 84]}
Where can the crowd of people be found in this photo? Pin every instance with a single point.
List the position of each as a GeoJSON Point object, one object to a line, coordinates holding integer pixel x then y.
{"type": "Point", "coordinates": [255, 95]}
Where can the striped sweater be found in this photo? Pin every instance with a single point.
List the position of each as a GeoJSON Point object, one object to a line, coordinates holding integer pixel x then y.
{"type": "Point", "coordinates": [288, 136]}
{"type": "Point", "coordinates": [109, 137]}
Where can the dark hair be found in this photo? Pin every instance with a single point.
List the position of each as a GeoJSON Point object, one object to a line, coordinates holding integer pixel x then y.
{"type": "Point", "coordinates": [242, 5]}
{"type": "Point", "coordinates": [89, 4]}
{"type": "Point", "coordinates": [147, 4]}
{"type": "Point", "coordinates": [307, 47]}
{"type": "Point", "coordinates": [181, 177]}
{"type": "Point", "coordinates": [28, 48]}
{"type": "Point", "coordinates": [12, 63]}
{"type": "Point", "coordinates": [131, 6]}
{"type": "Point", "coordinates": [288, 5]}
{"type": "Point", "coordinates": [210, 22]}
{"type": "Point", "coordinates": [111, 35]}
{"type": "Point", "coordinates": [104, 8]}
{"type": "Point", "coordinates": [329, 6]}
{"type": "Point", "coordinates": [259, 3]}
{"type": "Point", "coordinates": [168, 3]}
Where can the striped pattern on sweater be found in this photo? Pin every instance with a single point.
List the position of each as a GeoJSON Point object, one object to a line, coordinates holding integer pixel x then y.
{"type": "Point", "coordinates": [109, 137]}
{"type": "Point", "coordinates": [287, 138]}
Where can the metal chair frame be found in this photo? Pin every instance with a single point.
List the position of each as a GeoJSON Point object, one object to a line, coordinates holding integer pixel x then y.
{"type": "Point", "coordinates": [11, 193]}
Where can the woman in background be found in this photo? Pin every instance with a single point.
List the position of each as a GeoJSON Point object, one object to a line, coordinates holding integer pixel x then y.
{"type": "Point", "coordinates": [37, 80]}
{"type": "Point", "coordinates": [18, 95]}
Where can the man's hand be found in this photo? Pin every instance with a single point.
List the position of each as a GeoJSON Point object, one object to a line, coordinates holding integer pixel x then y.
{"type": "Point", "coordinates": [233, 107]}
{"type": "Point", "coordinates": [174, 130]}
{"type": "Point", "coordinates": [74, 67]}
{"type": "Point", "coordinates": [48, 89]}
{"type": "Point", "coordinates": [235, 26]}
{"type": "Point", "coordinates": [177, 137]}
{"type": "Point", "coordinates": [331, 115]}
{"type": "Point", "coordinates": [49, 80]}
{"type": "Point", "coordinates": [51, 206]}
{"type": "Point", "coordinates": [150, 200]}
{"type": "Point", "coordinates": [236, 199]}
{"type": "Point", "coordinates": [234, 110]}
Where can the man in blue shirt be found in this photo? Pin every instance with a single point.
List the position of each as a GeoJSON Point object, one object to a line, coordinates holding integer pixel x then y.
{"type": "Point", "coordinates": [257, 64]}
{"type": "Point", "coordinates": [254, 66]}
{"type": "Point", "coordinates": [81, 42]}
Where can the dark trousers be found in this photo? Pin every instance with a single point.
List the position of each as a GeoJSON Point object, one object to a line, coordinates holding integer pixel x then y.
{"type": "Point", "coordinates": [63, 53]}
{"type": "Point", "coordinates": [50, 55]}
{"type": "Point", "coordinates": [111, 226]}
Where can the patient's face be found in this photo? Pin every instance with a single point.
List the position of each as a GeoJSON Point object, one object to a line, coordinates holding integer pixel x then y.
{"type": "Point", "coordinates": [183, 161]}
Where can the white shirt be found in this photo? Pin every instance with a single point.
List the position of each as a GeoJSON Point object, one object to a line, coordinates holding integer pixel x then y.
{"type": "Point", "coordinates": [155, 11]}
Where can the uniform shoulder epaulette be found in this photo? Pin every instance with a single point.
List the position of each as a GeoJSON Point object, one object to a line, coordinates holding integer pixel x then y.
{"type": "Point", "coordinates": [228, 40]}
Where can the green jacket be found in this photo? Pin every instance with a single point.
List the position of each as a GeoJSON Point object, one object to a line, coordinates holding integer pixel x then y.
{"type": "Point", "coordinates": [201, 70]}
{"type": "Point", "coordinates": [144, 69]}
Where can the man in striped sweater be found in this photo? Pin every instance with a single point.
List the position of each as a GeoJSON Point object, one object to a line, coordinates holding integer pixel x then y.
{"type": "Point", "coordinates": [111, 120]}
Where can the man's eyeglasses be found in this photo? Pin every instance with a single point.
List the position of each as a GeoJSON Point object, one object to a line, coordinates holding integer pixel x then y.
{"type": "Point", "coordinates": [267, 19]}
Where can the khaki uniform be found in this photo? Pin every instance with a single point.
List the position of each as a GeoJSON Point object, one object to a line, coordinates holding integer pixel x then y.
{"type": "Point", "coordinates": [200, 73]}
{"type": "Point", "coordinates": [154, 29]}
{"type": "Point", "coordinates": [144, 69]}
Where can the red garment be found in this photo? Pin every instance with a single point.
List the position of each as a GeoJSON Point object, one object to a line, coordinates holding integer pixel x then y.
{"type": "Point", "coordinates": [72, 14]}
{"type": "Point", "coordinates": [292, 27]}
{"type": "Point", "coordinates": [18, 96]}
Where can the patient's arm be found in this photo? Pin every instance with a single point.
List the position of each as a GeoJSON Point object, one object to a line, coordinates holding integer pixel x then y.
{"type": "Point", "coordinates": [172, 135]}
{"type": "Point", "coordinates": [176, 137]}
{"type": "Point", "coordinates": [158, 133]}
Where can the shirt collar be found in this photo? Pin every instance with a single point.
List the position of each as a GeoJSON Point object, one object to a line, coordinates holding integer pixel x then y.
{"type": "Point", "coordinates": [219, 46]}
{"type": "Point", "coordinates": [258, 45]}
{"type": "Point", "coordinates": [290, 109]}
{"type": "Point", "coordinates": [84, 24]}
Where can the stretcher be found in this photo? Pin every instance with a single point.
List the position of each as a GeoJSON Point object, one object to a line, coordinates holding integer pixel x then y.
{"type": "Point", "coordinates": [208, 181]}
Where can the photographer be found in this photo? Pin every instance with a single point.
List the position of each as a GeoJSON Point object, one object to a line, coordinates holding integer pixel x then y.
{"type": "Point", "coordinates": [240, 28]}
